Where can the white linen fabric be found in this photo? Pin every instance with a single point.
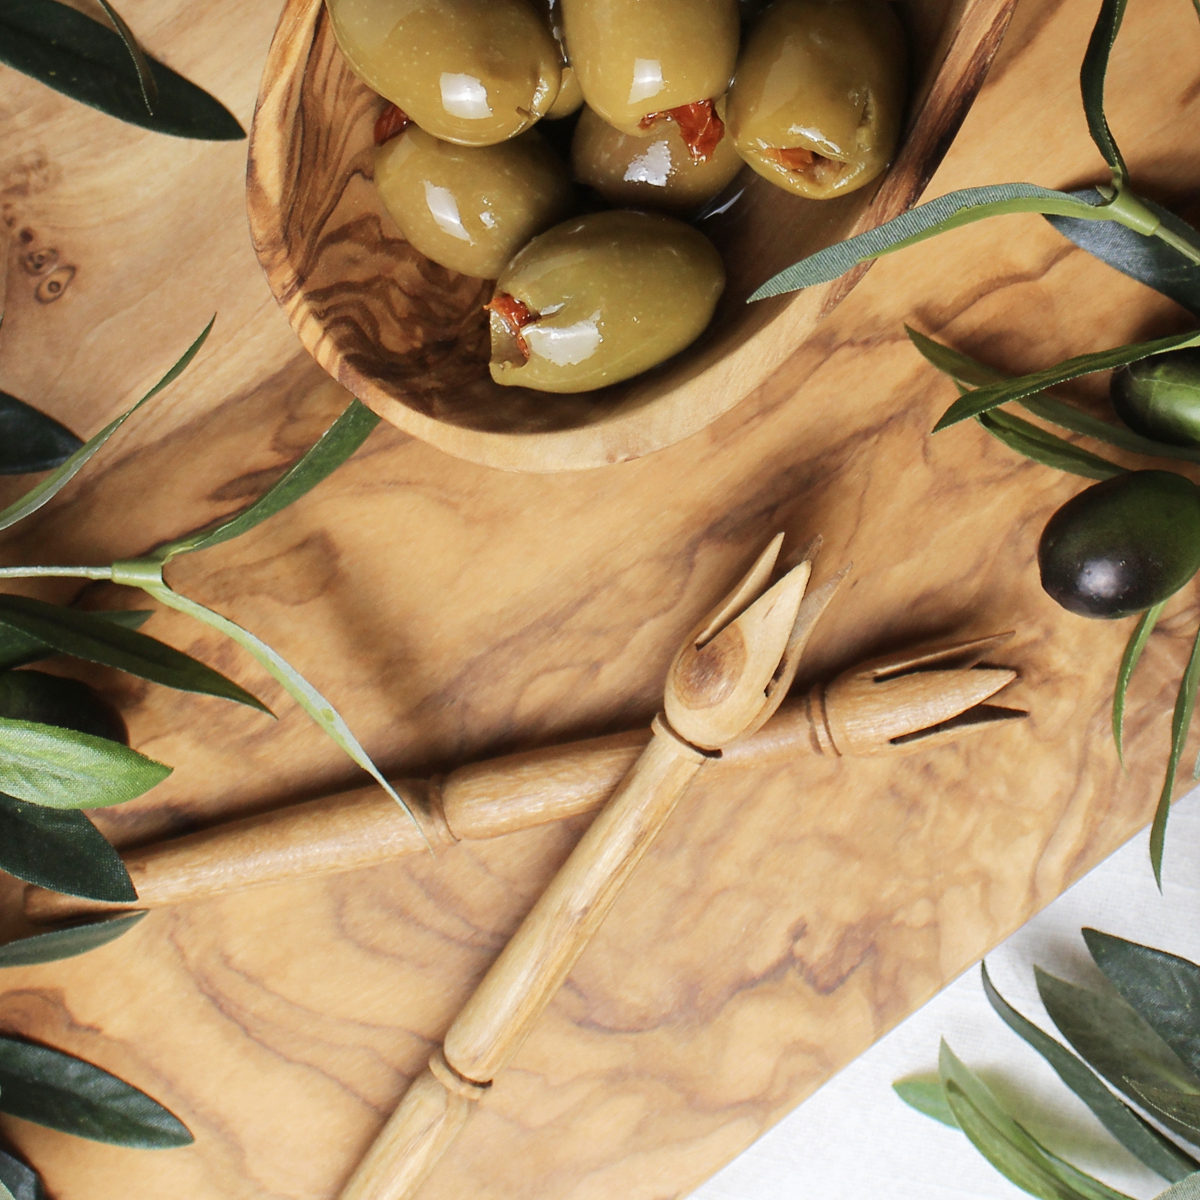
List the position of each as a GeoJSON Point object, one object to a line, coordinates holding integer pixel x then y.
{"type": "Point", "coordinates": [855, 1140]}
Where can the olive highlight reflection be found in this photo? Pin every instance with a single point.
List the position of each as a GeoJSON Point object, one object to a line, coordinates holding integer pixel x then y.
{"type": "Point", "coordinates": [601, 298]}
{"type": "Point", "coordinates": [813, 104]}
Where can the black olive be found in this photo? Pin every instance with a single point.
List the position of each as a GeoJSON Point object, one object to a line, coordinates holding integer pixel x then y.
{"type": "Point", "coordinates": [1122, 545]}
{"type": "Point", "coordinates": [66, 703]}
{"type": "Point", "coordinates": [1159, 397]}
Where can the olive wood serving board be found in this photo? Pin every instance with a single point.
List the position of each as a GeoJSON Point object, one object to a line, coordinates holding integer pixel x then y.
{"type": "Point", "coordinates": [786, 917]}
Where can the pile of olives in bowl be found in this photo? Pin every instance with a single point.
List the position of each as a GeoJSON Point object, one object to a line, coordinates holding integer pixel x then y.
{"type": "Point", "coordinates": [1128, 543]}
{"type": "Point", "coordinates": [572, 150]}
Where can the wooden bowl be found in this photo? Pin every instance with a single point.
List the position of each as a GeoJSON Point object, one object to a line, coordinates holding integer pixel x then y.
{"type": "Point", "coordinates": [409, 338]}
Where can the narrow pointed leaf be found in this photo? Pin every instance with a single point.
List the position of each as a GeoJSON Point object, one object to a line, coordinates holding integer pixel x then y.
{"type": "Point", "coordinates": [1149, 260]}
{"type": "Point", "coordinates": [1091, 85]}
{"type": "Point", "coordinates": [1047, 448]}
{"type": "Point", "coordinates": [303, 692]}
{"type": "Point", "coordinates": [927, 1096]}
{"type": "Point", "coordinates": [61, 768]}
{"type": "Point", "coordinates": [335, 446]}
{"type": "Point", "coordinates": [951, 211]}
{"type": "Point", "coordinates": [1030, 1174]}
{"type": "Point", "coordinates": [67, 943]}
{"type": "Point", "coordinates": [985, 398]}
{"type": "Point", "coordinates": [58, 479]}
{"type": "Point", "coordinates": [1181, 719]}
{"type": "Point", "coordinates": [966, 370]}
{"type": "Point", "coordinates": [145, 76]}
{"type": "Point", "coordinates": [1129, 661]}
{"type": "Point", "coordinates": [1189, 1188]}
{"type": "Point", "coordinates": [83, 59]}
{"type": "Point", "coordinates": [31, 441]}
{"type": "Point", "coordinates": [66, 1093]}
{"type": "Point", "coordinates": [18, 1181]}
{"type": "Point", "coordinates": [1179, 1110]}
{"type": "Point", "coordinates": [1162, 987]}
{"type": "Point", "coordinates": [90, 637]}
{"type": "Point", "coordinates": [1137, 1135]}
{"type": "Point", "coordinates": [62, 850]}
{"type": "Point", "coordinates": [17, 649]}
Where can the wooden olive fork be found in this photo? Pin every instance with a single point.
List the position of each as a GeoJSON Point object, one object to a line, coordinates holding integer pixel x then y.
{"type": "Point", "coordinates": [725, 682]}
{"type": "Point", "coordinates": [899, 703]}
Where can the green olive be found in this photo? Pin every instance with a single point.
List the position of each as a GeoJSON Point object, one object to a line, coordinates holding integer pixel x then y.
{"type": "Point", "coordinates": [471, 208]}
{"type": "Point", "coordinates": [638, 57]}
{"type": "Point", "coordinates": [601, 298]}
{"type": "Point", "coordinates": [65, 703]}
{"type": "Point", "coordinates": [1123, 544]}
{"type": "Point", "coordinates": [473, 72]}
{"type": "Point", "coordinates": [818, 97]}
{"type": "Point", "coordinates": [657, 171]}
{"type": "Point", "coordinates": [570, 94]}
{"type": "Point", "coordinates": [1159, 397]}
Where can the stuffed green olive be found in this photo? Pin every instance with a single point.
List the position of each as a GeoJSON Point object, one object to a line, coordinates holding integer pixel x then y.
{"type": "Point", "coordinates": [1123, 544]}
{"type": "Point", "coordinates": [818, 99]}
{"type": "Point", "coordinates": [637, 60]}
{"type": "Point", "coordinates": [471, 208]}
{"type": "Point", "coordinates": [601, 298]}
{"type": "Point", "coordinates": [570, 95]}
{"type": "Point", "coordinates": [475, 72]}
{"type": "Point", "coordinates": [1159, 397]}
{"type": "Point", "coordinates": [659, 171]}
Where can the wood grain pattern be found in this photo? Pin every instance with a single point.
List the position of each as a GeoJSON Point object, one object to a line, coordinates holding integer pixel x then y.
{"type": "Point", "coordinates": [410, 338]}
{"type": "Point", "coordinates": [787, 916]}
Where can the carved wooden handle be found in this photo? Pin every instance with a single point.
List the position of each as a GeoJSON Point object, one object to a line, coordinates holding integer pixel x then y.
{"type": "Point", "coordinates": [530, 970]}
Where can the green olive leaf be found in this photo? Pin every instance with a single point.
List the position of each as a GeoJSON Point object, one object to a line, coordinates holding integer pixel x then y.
{"type": "Point", "coordinates": [1149, 260]}
{"type": "Point", "coordinates": [1187, 1188]}
{"type": "Point", "coordinates": [18, 1181]}
{"type": "Point", "coordinates": [145, 76]}
{"type": "Point", "coordinates": [1136, 1134]}
{"type": "Point", "coordinates": [335, 446]}
{"type": "Point", "coordinates": [67, 942]}
{"type": "Point", "coordinates": [60, 849]}
{"type": "Point", "coordinates": [1091, 85]}
{"type": "Point", "coordinates": [1181, 719]}
{"type": "Point", "coordinates": [1009, 1146]}
{"type": "Point", "coordinates": [927, 1096]}
{"type": "Point", "coordinates": [993, 395]}
{"type": "Point", "coordinates": [92, 638]}
{"type": "Point", "coordinates": [965, 370]}
{"type": "Point", "coordinates": [147, 575]}
{"type": "Point", "coordinates": [83, 59]}
{"type": "Point", "coordinates": [61, 768]}
{"type": "Point", "coordinates": [1129, 661]}
{"type": "Point", "coordinates": [951, 211]}
{"type": "Point", "coordinates": [31, 441]}
{"type": "Point", "coordinates": [17, 649]}
{"type": "Point", "coordinates": [58, 479]}
{"type": "Point", "coordinates": [1163, 988]}
{"type": "Point", "coordinates": [66, 1093]}
{"type": "Point", "coordinates": [1179, 1110]}
{"type": "Point", "coordinates": [1046, 448]}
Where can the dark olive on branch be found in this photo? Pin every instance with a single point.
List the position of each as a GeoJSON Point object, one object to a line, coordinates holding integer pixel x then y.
{"type": "Point", "coordinates": [1159, 397]}
{"type": "Point", "coordinates": [1123, 544]}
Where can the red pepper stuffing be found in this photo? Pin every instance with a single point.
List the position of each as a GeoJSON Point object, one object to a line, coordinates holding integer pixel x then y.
{"type": "Point", "coordinates": [515, 314]}
{"type": "Point", "coordinates": [699, 126]}
{"type": "Point", "coordinates": [392, 120]}
{"type": "Point", "coordinates": [794, 159]}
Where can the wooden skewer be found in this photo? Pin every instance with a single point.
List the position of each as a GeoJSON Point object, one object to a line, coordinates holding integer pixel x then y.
{"type": "Point", "coordinates": [726, 680]}
{"type": "Point", "coordinates": [903, 702]}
